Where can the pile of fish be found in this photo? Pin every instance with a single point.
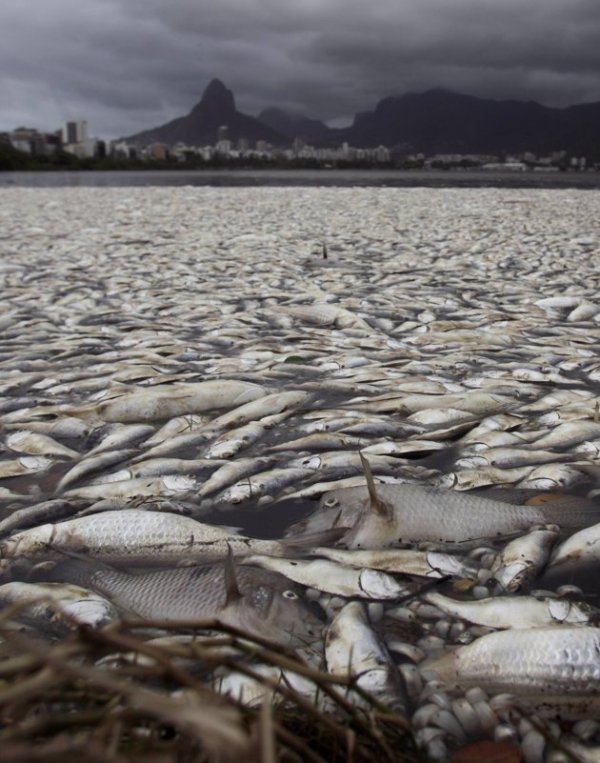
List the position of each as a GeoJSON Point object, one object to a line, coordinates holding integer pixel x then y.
{"type": "Point", "coordinates": [394, 396]}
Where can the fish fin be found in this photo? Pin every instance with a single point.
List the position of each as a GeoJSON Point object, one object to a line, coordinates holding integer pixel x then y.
{"type": "Point", "coordinates": [376, 504]}
{"type": "Point", "coordinates": [232, 591]}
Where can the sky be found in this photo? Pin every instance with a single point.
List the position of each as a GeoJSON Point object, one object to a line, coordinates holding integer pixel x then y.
{"type": "Point", "coordinates": [128, 65]}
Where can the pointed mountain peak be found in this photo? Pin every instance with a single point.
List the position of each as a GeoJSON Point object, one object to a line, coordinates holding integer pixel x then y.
{"type": "Point", "coordinates": [217, 98]}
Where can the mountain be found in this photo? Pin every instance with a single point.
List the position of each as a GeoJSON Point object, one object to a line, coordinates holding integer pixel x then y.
{"type": "Point", "coordinates": [200, 127]}
{"type": "Point", "coordinates": [296, 126]}
{"type": "Point", "coordinates": [436, 121]}
{"type": "Point", "coordinates": [440, 121]}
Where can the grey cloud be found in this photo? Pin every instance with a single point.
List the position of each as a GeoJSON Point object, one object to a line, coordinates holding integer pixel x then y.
{"type": "Point", "coordinates": [126, 65]}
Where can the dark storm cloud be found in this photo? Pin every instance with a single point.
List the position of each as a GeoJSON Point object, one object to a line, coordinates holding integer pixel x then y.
{"type": "Point", "coordinates": [130, 64]}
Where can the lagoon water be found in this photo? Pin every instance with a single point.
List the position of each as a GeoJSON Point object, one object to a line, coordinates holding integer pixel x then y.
{"type": "Point", "coordinates": [323, 177]}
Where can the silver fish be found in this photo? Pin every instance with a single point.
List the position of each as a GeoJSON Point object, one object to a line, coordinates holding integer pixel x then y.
{"type": "Point", "coordinates": [170, 400]}
{"type": "Point", "coordinates": [389, 515]}
{"type": "Point", "coordinates": [537, 661]}
{"type": "Point", "coordinates": [53, 605]}
{"type": "Point", "coordinates": [353, 648]}
{"type": "Point", "coordinates": [36, 444]}
{"type": "Point", "coordinates": [134, 536]}
{"type": "Point", "coordinates": [336, 578]}
{"type": "Point", "coordinates": [516, 611]}
{"type": "Point", "coordinates": [404, 561]}
{"type": "Point", "coordinates": [260, 602]}
{"type": "Point", "coordinates": [522, 559]}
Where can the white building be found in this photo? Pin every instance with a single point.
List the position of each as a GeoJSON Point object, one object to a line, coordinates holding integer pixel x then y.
{"type": "Point", "coordinates": [75, 132]}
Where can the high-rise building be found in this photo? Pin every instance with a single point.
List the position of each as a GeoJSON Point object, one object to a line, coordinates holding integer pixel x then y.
{"type": "Point", "coordinates": [75, 132]}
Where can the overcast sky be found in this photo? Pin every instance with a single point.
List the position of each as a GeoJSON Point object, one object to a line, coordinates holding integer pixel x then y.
{"type": "Point", "coordinates": [127, 65]}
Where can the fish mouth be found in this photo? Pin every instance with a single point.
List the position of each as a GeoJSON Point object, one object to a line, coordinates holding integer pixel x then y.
{"type": "Point", "coordinates": [307, 636]}
{"type": "Point", "coordinates": [312, 628]}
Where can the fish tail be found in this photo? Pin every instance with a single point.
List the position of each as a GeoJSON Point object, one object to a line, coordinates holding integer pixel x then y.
{"type": "Point", "coordinates": [303, 543]}
{"type": "Point", "coordinates": [568, 510]}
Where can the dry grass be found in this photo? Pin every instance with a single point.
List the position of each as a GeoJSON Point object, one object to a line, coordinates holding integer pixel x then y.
{"type": "Point", "coordinates": [110, 696]}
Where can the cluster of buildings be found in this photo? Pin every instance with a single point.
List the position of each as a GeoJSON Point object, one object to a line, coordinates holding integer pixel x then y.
{"type": "Point", "coordinates": [227, 149]}
{"type": "Point", "coordinates": [557, 160]}
{"type": "Point", "coordinates": [74, 139]}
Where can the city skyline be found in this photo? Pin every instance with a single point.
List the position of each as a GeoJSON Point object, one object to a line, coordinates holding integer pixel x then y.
{"type": "Point", "coordinates": [127, 64]}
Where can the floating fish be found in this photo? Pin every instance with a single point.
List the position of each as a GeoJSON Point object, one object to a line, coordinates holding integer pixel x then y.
{"type": "Point", "coordinates": [135, 536]}
{"type": "Point", "coordinates": [535, 662]}
{"type": "Point", "coordinates": [57, 607]}
{"type": "Point", "coordinates": [259, 602]}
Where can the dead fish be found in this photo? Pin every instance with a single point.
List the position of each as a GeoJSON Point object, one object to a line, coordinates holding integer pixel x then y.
{"type": "Point", "coordinates": [266, 405]}
{"type": "Point", "coordinates": [92, 465]}
{"type": "Point", "coordinates": [233, 471]}
{"type": "Point", "coordinates": [581, 549]}
{"type": "Point", "coordinates": [322, 314]}
{"type": "Point", "coordinates": [24, 465]}
{"type": "Point", "coordinates": [35, 444]}
{"type": "Point", "coordinates": [389, 515]}
{"type": "Point", "coordinates": [170, 400]}
{"type": "Point", "coordinates": [54, 605]}
{"type": "Point", "coordinates": [120, 436]}
{"type": "Point", "coordinates": [352, 648]}
{"type": "Point", "coordinates": [156, 467]}
{"type": "Point", "coordinates": [401, 561]}
{"type": "Point", "coordinates": [470, 479]}
{"type": "Point", "coordinates": [567, 434]}
{"type": "Point", "coordinates": [404, 448]}
{"type": "Point", "coordinates": [558, 660]}
{"type": "Point", "coordinates": [29, 516]}
{"type": "Point", "coordinates": [318, 488]}
{"type": "Point", "coordinates": [318, 441]}
{"type": "Point", "coordinates": [552, 476]}
{"type": "Point", "coordinates": [267, 483]}
{"type": "Point", "coordinates": [516, 612]}
{"type": "Point", "coordinates": [523, 558]}
{"type": "Point", "coordinates": [137, 487]}
{"type": "Point", "coordinates": [335, 578]}
{"type": "Point", "coordinates": [235, 440]}
{"type": "Point", "coordinates": [500, 422]}
{"type": "Point", "coordinates": [175, 426]}
{"type": "Point", "coordinates": [259, 602]}
{"type": "Point", "coordinates": [507, 458]}
{"type": "Point", "coordinates": [133, 536]}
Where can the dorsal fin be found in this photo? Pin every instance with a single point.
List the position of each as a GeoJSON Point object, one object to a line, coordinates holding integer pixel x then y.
{"type": "Point", "coordinates": [376, 504]}
{"type": "Point", "coordinates": [232, 591]}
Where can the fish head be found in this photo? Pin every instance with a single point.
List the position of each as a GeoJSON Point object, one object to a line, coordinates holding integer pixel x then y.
{"type": "Point", "coordinates": [375, 520]}
{"type": "Point", "coordinates": [286, 614]}
{"type": "Point", "coordinates": [274, 608]}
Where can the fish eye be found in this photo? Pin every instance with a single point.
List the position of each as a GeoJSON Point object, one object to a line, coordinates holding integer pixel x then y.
{"type": "Point", "coordinates": [289, 594]}
{"type": "Point", "coordinates": [331, 502]}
